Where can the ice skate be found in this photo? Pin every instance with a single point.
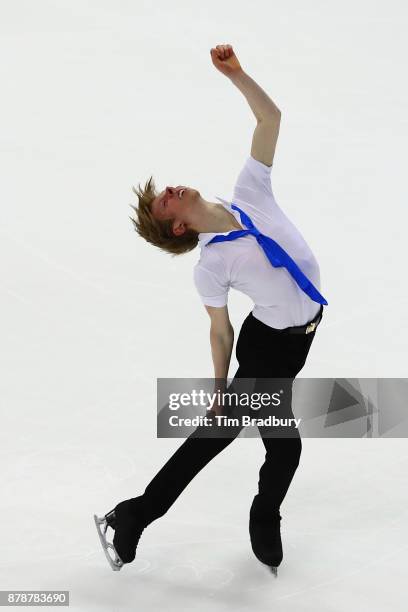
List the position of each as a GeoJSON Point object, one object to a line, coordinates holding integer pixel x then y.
{"type": "Point", "coordinates": [264, 530]}
{"type": "Point", "coordinates": [128, 524]}
{"type": "Point", "coordinates": [116, 562]}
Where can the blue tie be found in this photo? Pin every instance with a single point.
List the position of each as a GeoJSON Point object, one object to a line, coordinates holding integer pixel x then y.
{"type": "Point", "coordinates": [275, 253]}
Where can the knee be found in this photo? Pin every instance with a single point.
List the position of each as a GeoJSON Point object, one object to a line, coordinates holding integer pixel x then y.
{"type": "Point", "coordinates": [285, 451]}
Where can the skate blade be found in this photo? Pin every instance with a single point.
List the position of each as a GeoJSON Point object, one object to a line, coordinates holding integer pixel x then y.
{"type": "Point", "coordinates": [274, 570]}
{"type": "Point", "coordinates": [116, 563]}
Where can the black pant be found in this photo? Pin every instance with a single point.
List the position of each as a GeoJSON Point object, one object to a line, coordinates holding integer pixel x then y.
{"type": "Point", "coordinates": [262, 352]}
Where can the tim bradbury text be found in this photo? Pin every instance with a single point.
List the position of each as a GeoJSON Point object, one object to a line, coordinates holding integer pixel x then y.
{"type": "Point", "coordinates": [244, 420]}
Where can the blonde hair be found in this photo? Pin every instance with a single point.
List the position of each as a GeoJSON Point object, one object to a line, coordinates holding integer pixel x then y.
{"type": "Point", "coordinates": [159, 233]}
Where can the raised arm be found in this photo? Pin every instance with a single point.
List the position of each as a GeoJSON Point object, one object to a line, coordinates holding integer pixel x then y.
{"type": "Point", "coordinates": [265, 110]}
{"type": "Point", "coordinates": [225, 60]}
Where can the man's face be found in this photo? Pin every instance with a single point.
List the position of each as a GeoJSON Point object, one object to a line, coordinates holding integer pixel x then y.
{"type": "Point", "coordinates": [172, 203]}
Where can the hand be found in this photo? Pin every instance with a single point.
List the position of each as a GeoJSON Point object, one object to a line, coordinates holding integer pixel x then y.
{"type": "Point", "coordinates": [225, 60]}
{"type": "Point", "coordinates": [216, 410]}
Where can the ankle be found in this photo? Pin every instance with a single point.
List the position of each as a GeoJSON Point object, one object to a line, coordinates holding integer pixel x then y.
{"type": "Point", "coordinates": [264, 507]}
{"type": "Point", "coordinates": [137, 509]}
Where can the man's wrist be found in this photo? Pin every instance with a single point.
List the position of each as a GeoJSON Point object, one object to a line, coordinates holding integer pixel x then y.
{"type": "Point", "coordinates": [220, 384]}
{"type": "Point", "coordinates": [236, 76]}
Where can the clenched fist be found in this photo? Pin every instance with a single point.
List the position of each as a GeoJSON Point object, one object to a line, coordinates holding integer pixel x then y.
{"type": "Point", "coordinates": [225, 60]}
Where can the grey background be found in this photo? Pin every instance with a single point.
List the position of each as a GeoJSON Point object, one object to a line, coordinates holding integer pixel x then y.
{"type": "Point", "coordinates": [96, 96]}
{"type": "Point", "coordinates": [322, 407]}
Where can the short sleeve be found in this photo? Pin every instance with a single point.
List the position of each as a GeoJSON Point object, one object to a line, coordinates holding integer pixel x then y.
{"type": "Point", "coordinates": [211, 280]}
{"type": "Point", "coordinates": [254, 186]}
{"type": "Point", "coordinates": [255, 176]}
{"type": "Point", "coordinates": [259, 170]}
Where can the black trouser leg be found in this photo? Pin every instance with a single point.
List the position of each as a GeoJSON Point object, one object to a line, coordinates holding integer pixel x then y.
{"type": "Point", "coordinates": [283, 449]}
{"type": "Point", "coordinates": [281, 462]}
{"type": "Point", "coordinates": [180, 469]}
{"type": "Point", "coordinates": [187, 461]}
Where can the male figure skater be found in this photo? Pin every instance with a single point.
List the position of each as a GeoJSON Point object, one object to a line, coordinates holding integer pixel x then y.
{"type": "Point", "coordinates": [252, 246]}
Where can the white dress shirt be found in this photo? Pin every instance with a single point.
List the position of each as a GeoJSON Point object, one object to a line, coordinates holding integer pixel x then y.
{"type": "Point", "coordinates": [241, 264]}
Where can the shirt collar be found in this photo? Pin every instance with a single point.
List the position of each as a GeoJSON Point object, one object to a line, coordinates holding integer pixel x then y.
{"type": "Point", "coordinates": [205, 237]}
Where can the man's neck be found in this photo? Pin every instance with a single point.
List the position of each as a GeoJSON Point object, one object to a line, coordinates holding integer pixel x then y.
{"type": "Point", "coordinates": [213, 218]}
